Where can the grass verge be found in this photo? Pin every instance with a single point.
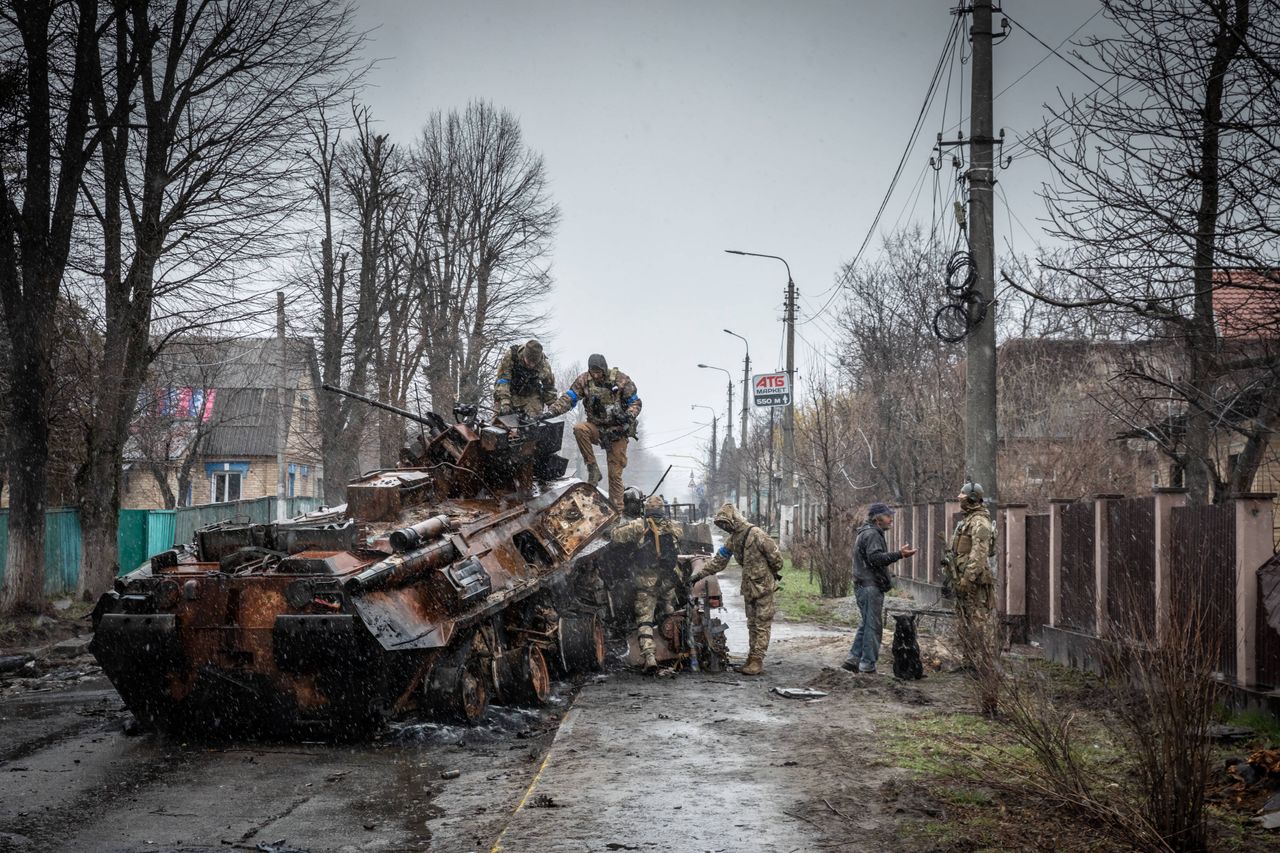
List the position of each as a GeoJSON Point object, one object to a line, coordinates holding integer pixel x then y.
{"type": "Point", "coordinates": [800, 599]}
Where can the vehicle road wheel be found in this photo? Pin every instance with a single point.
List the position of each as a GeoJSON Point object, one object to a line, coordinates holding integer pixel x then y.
{"type": "Point", "coordinates": [581, 643]}
{"type": "Point", "coordinates": [454, 692]}
{"type": "Point", "coordinates": [521, 676]}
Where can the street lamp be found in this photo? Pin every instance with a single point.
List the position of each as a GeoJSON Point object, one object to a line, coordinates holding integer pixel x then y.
{"type": "Point", "coordinates": [788, 413]}
{"type": "Point", "coordinates": [746, 375]}
{"type": "Point", "coordinates": [729, 376]}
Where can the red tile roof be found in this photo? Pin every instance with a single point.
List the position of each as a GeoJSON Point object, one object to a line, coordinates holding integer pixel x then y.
{"type": "Point", "coordinates": [1246, 304]}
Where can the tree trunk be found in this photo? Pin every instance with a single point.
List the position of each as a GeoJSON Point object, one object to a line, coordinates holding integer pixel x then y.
{"type": "Point", "coordinates": [23, 590]}
{"type": "Point", "coordinates": [99, 517]}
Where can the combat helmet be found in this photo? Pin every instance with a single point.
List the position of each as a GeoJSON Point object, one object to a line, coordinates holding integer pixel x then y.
{"type": "Point", "coordinates": [972, 492]}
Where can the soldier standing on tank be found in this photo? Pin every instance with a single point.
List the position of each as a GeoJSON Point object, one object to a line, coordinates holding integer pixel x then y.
{"type": "Point", "coordinates": [612, 406]}
{"type": "Point", "coordinates": [656, 538]}
{"type": "Point", "coordinates": [761, 563]}
{"type": "Point", "coordinates": [972, 581]}
{"type": "Point", "coordinates": [525, 382]}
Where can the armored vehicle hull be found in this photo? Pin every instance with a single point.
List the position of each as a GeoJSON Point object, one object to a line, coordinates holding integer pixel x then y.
{"type": "Point", "coordinates": [468, 574]}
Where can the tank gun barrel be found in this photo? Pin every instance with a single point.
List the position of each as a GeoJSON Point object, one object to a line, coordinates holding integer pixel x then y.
{"type": "Point", "coordinates": [378, 404]}
{"type": "Point", "coordinates": [399, 569]}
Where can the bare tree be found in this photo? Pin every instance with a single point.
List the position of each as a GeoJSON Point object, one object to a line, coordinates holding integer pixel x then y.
{"type": "Point", "coordinates": [1164, 176]}
{"type": "Point", "coordinates": [486, 279]}
{"type": "Point", "coordinates": [46, 142]}
{"type": "Point", "coordinates": [906, 386]}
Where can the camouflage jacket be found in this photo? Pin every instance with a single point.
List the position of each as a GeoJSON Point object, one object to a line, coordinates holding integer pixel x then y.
{"type": "Point", "coordinates": [754, 550]}
{"type": "Point", "coordinates": [617, 391]}
{"type": "Point", "coordinates": [649, 548]}
{"type": "Point", "coordinates": [972, 545]}
{"type": "Point", "coordinates": [516, 379]}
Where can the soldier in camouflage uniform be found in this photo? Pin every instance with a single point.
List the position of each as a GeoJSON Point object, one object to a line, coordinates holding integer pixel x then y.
{"type": "Point", "coordinates": [525, 382]}
{"type": "Point", "coordinates": [761, 563]}
{"type": "Point", "coordinates": [656, 538]}
{"type": "Point", "coordinates": [612, 406]}
{"type": "Point", "coordinates": [970, 550]}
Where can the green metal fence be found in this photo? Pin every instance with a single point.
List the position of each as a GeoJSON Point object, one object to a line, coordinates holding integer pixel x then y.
{"type": "Point", "coordinates": [142, 533]}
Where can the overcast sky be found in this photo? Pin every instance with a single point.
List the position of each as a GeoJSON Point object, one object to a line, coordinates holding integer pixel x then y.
{"type": "Point", "coordinates": [674, 130]}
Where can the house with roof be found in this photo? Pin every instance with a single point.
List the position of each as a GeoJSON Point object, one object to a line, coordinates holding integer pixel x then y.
{"type": "Point", "coordinates": [1246, 306]}
{"type": "Point", "coordinates": [206, 425]}
{"type": "Point", "coordinates": [1060, 421]}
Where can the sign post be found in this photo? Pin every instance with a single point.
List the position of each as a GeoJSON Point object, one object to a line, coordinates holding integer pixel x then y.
{"type": "Point", "coordinates": [770, 389]}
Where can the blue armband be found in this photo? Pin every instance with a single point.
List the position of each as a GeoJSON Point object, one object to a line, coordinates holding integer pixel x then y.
{"type": "Point", "coordinates": [503, 382]}
{"type": "Point", "coordinates": [633, 399]}
{"type": "Point", "coordinates": [573, 397]}
{"type": "Point", "coordinates": [724, 552]}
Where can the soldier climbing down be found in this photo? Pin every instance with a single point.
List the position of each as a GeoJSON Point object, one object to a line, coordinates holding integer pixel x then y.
{"type": "Point", "coordinates": [612, 405]}
{"type": "Point", "coordinates": [525, 382]}
{"type": "Point", "coordinates": [656, 538]}
{"type": "Point", "coordinates": [761, 563]}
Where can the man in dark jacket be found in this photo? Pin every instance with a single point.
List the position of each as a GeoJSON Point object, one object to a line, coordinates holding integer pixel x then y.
{"type": "Point", "coordinates": [871, 561]}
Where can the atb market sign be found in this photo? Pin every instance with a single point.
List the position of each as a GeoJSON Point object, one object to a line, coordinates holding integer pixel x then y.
{"type": "Point", "coordinates": [770, 389]}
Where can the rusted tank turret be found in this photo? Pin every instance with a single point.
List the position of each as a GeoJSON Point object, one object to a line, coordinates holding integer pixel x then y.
{"type": "Point", "coordinates": [468, 572]}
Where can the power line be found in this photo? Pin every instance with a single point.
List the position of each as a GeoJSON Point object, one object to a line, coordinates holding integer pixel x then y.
{"type": "Point", "coordinates": [948, 47]}
{"type": "Point", "coordinates": [1053, 50]}
{"type": "Point", "coordinates": [959, 124]}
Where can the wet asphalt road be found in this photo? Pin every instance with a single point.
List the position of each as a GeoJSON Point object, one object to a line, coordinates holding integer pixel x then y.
{"type": "Point", "coordinates": [71, 780]}
{"type": "Point", "coordinates": [695, 762]}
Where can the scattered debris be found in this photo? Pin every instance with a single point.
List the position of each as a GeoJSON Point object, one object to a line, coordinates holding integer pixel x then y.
{"type": "Point", "coordinates": [799, 692]}
{"type": "Point", "coordinates": [13, 663]}
{"type": "Point", "coordinates": [279, 847]}
{"type": "Point", "coordinates": [543, 801]}
{"type": "Point", "coordinates": [130, 725]}
{"type": "Point", "coordinates": [1222, 731]}
{"type": "Point", "coordinates": [450, 774]}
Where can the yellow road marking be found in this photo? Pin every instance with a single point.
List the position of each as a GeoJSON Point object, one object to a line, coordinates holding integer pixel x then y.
{"type": "Point", "coordinates": [546, 759]}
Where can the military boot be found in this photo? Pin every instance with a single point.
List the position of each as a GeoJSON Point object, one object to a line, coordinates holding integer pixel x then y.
{"type": "Point", "coordinates": [650, 663]}
{"type": "Point", "coordinates": [593, 473]}
{"type": "Point", "coordinates": [753, 666]}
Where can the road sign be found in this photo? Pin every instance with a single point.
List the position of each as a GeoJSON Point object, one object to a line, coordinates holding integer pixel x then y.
{"type": "Point", "coordinates": [770, 389]}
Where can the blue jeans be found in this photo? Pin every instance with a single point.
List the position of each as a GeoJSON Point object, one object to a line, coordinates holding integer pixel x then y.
{"type": "Point", "coordinates": [866, 643]}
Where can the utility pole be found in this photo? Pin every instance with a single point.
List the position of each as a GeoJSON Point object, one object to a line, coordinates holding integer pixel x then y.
{"type": "Point", "coordinates": [746, 378]}
{"type": "Point", "coordinates": [282, 428]}
{"type": "Point", "coordinates": [786, 499]}
{"type": "Point", "coordinates": [980, 345]}
{"type": "Point", "coordinates": [728, 430]}
{"type": "Point", "coordinates": [713, 447]}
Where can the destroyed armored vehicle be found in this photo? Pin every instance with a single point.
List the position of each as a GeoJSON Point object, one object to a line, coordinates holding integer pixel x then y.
{"type": "Point", "coordinates": [467, 573]}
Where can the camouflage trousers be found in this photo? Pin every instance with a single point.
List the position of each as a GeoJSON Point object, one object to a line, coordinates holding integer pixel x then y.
{"type": "Point", "coordinates": [760, 613]}
{"type": "Point", "coordinates": [587, 435]}
{"type": "Point", "coordinates": [975, 607]}
{"type": "Point", "coordinates": [655, 593]}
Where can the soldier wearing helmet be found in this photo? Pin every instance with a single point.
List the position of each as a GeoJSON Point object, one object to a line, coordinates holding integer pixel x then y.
{"type": "Point", "coordinates": [612, 405]}
{"type": "Point", "coordinates": [524, 382]}
{"type": "Point", "coordinates": [656, 538]}
{"type": "Point", "coordinates": [972, 546]}
{"type": "Point", "coordinates": [761, 563]}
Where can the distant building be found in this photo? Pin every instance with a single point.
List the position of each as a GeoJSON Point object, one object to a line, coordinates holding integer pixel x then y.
{"type": "Point", "coordinates": [206, 424]}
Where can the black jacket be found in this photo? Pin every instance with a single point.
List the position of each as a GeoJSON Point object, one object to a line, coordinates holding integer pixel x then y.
{"type": "Point", "coordinates": [871, 557]}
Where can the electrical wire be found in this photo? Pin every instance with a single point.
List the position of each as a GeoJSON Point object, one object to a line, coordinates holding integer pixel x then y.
{"type": "Point", "coordinates": [959, 124]}
{"type": "Point", "coordinates": [947, 49]}
{"type": "Point", "coordinates": [1052, 50]}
